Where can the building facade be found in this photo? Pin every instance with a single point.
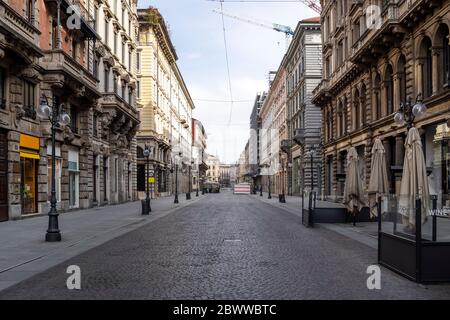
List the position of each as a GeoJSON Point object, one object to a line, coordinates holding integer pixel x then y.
{"type": "Point", "coordinates": [199, 154]}
{"type": "Point", "coordinates": [50, 56]}
{"type": "Point", "coordinates": [213, 172]}
{"type": "Point", "coordinates": [165, 107]}
{"type": "Point", "coordinates": [254, 141]}
{"type": "Point", "coordinates": [224, 175]}
{"type": "Point", "coordinates": [273, 131]}
{"type": "Point", "coordinates": [303, 66]}
{"type": "Point", "coordinates": [371, 66]}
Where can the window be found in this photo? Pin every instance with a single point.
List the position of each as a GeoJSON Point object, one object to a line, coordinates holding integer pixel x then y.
{"type": "Point", "coordinates": [138, 61]}
{"type": "Point", "coordinates": [130, 97]}
{"type": "Point", "coordinates": [73, 119]}
{"type": "Point", "coordinates": [356, 32]}
{"type": "Point", "coordinates": [106, 79]}
{"type": "Point", "coordinates": [123, 90]}
{"type": "Point", "coordinates": [95, 125]}
{"type": "Point", "coordinates": [427, 68]}
{"type": "Point", "coordinates": [138, 88]}
{"type": "Point", "coordinates": [74, 49]}
{"type": "Point", "coordinates": [446, 59]}
{"type": "Point", "coordinates": [115, 43]}
{"type": "Point", "coordinates": [123, 52]}
{"type": "Point", "coordinates": [389, 85]}
{"type": "Point", "coordinates": [95, 18]}
{"type": "Point", "coordinates": [28, 94]}
{"type": "Point", "coordinates": [2, 88]}
{"type": "Point", "coordinates": [30, 11]}
{"type": "Point", "coordinates": [130, 60]}
{"type": "Point", "coordinates": [95, 66]}
{"type": "Point", "coordinates": [106, 31]}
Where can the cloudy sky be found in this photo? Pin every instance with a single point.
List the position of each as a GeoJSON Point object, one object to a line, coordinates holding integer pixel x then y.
{"type": "Point", "coordinates": [197, 34]}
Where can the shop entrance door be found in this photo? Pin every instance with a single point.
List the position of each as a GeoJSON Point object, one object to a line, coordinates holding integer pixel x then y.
{"type": "Point", "coordinates": [3, 176]}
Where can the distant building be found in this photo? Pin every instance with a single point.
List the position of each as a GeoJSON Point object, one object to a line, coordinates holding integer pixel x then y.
{"type": "Point", "coordinates": [213, 172]}
{"type": "Point", "coordinates": [199, 154]}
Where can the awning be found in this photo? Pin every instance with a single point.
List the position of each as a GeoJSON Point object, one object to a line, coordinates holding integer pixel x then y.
{"type": "Point", "coordinates": [29, 154]}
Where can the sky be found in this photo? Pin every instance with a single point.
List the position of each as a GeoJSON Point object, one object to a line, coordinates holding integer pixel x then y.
{"type": "Point", "coordinates": [197, 34]}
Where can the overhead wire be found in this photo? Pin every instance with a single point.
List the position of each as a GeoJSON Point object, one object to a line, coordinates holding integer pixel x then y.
{"type": "Point", "coordinates": [227, 62]}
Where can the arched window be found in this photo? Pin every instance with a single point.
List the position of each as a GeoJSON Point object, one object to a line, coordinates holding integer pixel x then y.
{"type": "Point", "coordinates": [442, 37]}
{"type": "Point", "coordinates": [356, 110]}
{"type": "Point", "coordinates": [389, 87]}
{"type": "Point", "coordinates": [427, 67]}
{"type": "Point", "coordinates": [377, 96]}
{"type": "Point", "coordinates": [344, 116]}
{"type": "Point", "coordinates": [401, 71]}
{"type": "Point", "coordinates": [363, 105]}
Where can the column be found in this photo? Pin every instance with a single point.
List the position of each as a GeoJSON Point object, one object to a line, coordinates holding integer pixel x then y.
{"type": "Point", "coordinates": [436, 51]}
{"type": "Point", "coordinates": [420, 77]}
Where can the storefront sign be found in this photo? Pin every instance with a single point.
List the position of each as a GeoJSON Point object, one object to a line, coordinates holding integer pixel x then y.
{"type": "Point", "coordinates": [444, 212]}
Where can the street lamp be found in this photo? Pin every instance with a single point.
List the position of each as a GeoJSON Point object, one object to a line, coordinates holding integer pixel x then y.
{"type": "Point", "coordinates": [147, 207]}
{"type": "Point", "coordinates": [282, 196]}
{"type": "Point", "coordinates": [408, 112]}
{"type": "Point", "coordinates": [176, 178]}
{"type": "Point", "coordinates": [289, 182]}
{"type": "Point", "coordinates": [58, 117]}
{"type": "Point", "coordinates": [198, 179]}
{"type": "Point", "coordinates": [311, 153]}
{"type": "Point", "coordinates": [188, 194]}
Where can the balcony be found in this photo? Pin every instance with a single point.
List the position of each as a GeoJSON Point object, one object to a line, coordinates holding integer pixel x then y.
{"type": "Point", "coordinates": [21, 31]}
{"type": "Point", "coordinates": [299, 136]}
{"type": "Point", "coordinates": [87, 21]}
{"type": "Point", "coordinates": [183, 120]}
{"type": "Point", "coordinates": [285, 145]}
{"type": "Point", "coordinates": [57, 61]}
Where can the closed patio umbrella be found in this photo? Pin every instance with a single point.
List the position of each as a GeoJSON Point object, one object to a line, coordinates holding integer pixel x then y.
{"type": "Point", "coordinates": [414, 180]}
{"type": "Point", "coordinates": [378, 182]}
{"type": "Point", "coordinates": [353, 192]}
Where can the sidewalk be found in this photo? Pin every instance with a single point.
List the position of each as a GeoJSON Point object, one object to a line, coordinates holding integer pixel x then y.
{"type": "Point", "coordinates": [366, 232]}
{"type": "Point", "coordinates": [24, 252]}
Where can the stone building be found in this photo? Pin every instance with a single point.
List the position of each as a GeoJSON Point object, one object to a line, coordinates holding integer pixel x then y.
{"type": "Point", "coordinates": [165, 107]}
{"type": "Point", "coordinates": [376, 55]}
{"type": "Point", "coordinates": [47, 54]}
{"type": "Point", "coordinates": [213, 172]}
{"type": "Point", "coordinates": [274, 130]}
{"type": "Point", "coordinates": [254, 147]}
{"type": "Point", "coordinates": [303, 66]}
{"type": "Point", "coordinates": [198, 154]}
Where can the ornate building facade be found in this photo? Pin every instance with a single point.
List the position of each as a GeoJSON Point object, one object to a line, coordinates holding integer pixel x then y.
{"type": "Point", "coordinates": [303, 65]}
{"type": "Point", "coordinates": [165, 107]}
{"type": "Point", "coordinates": [47, 54]}
{"type": "Point", "coordinates": [376, 55]}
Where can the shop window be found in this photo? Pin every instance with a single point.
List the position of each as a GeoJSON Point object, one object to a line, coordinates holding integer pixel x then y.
{"type": "Point", "coordinates": [29, 160]}
{"type": "Point", "coordinates": [105, 178]}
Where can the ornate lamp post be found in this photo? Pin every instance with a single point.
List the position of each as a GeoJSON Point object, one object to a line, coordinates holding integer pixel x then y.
{"type": "Point", "coordinates": [198, 179]}
{"type": "Point", "coordinates": [282, 196]}
{"type": "Point", "coordinates": [176, 178]}
{"type": "Point", "coordinates": [408, 112]}
{"type": "Point", "coordinates": [188, 194]}
{"type": "Point", "coordinates": [147, 206]}
{"type": "Point", "coordinates": [58, 117]}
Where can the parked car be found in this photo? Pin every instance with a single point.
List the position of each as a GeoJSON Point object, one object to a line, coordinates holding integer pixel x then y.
{"type": "Point", "coordinates": [212, 187]}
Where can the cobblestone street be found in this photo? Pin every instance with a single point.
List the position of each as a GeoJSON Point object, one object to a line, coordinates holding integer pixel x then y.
{"type": "Point", "coordinates": [225, 246]}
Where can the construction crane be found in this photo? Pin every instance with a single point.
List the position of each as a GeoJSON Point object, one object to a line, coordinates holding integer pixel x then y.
{"type": "Point", "coordinates": [274, 26]}
{"type": "Point", "coordinates": [312, 4]}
